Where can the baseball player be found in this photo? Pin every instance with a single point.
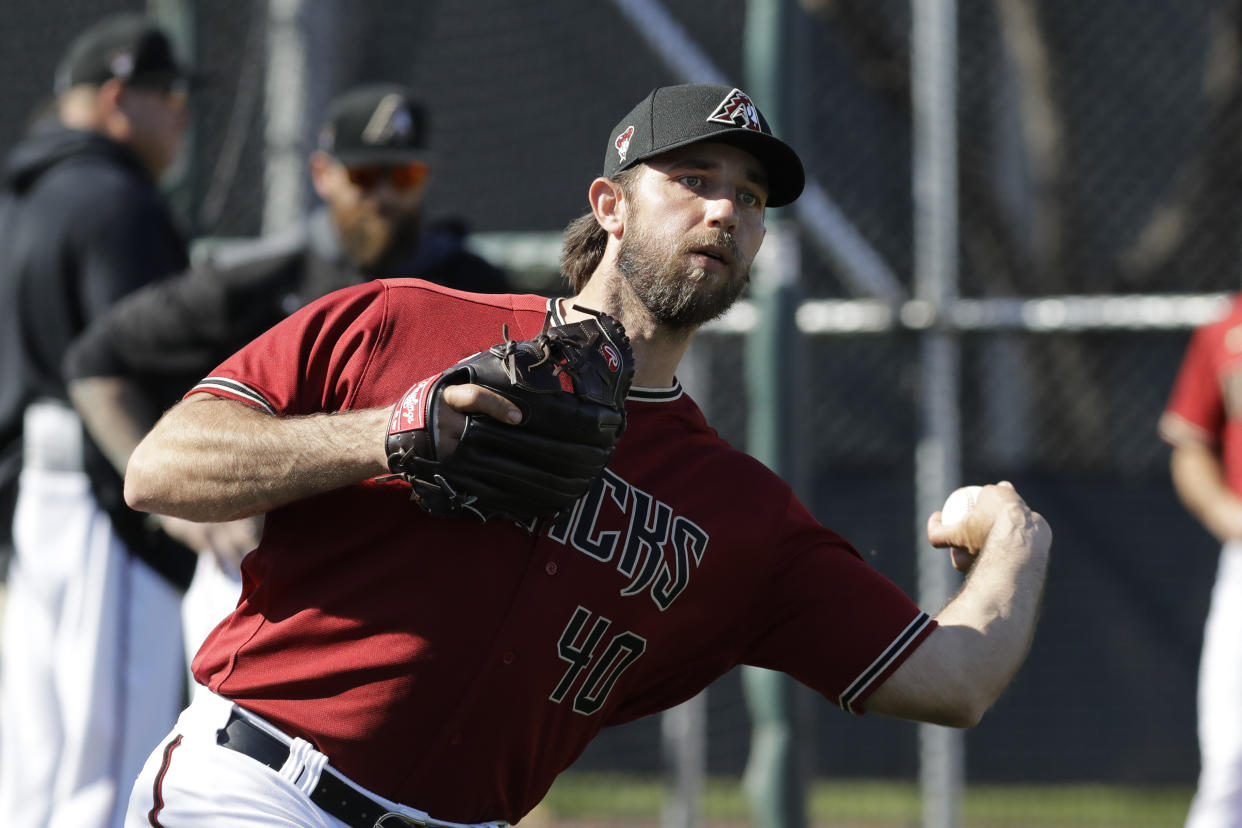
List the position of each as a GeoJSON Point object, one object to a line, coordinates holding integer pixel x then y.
{"type": "Point", "coordinates": [391, 665]}
{"type": "Point", "coordinates": [1204, 427]}
{"type": "Point", "coordinates": [93, 671]}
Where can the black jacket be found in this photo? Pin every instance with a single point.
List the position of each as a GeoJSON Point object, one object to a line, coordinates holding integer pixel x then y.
{"type": "Point", "coordinates": [81, 225]}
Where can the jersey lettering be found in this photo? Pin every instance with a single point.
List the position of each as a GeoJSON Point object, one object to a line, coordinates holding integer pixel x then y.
{"type": "Point", "coordinates": [564, 521]}
{"type": "Point", "coordinates": [689, 541]}
{"type": "Point", "coordinates": [659, 549]}
{"type": "Point", "coordinates": [644, 539]}
{"type": "Point", "coordinates": [652, 565]}
{"type": "Point", "coordinates": [623, 650]}
{"type": "Point", "coordinates": [578, 655]}
{"type": "Point", "coordinates": [600, 545]}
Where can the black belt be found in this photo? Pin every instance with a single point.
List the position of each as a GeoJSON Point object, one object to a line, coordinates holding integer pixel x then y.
{"type": "Point", "coordinates": [332, 794]}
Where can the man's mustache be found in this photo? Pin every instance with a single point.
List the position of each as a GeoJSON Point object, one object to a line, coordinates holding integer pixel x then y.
{"type": "Point", "coordinates": [722, 239]}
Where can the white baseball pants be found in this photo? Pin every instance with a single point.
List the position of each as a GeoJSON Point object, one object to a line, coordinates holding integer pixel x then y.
{"type": "Point", "coordinates": [1218, 800]}
{"type": "Point", "coordinates": [92, 671]}
{"type": "Point", "coordinates": [212, 595]}
{"type": "Point", "coordinates": [190, 781]}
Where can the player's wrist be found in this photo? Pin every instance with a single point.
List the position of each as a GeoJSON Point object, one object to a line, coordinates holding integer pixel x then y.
{"type": "Point", "coordinates": [1015, 528]}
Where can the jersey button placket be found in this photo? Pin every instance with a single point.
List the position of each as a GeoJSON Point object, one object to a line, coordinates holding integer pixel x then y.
{"type": "Point", "coordinates": [508, 658]}
{"type": "Point", "coordinates": [550, 567]}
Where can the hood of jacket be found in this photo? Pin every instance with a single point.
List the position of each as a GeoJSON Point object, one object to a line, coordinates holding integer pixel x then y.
{"type": "Point", "coordinates": [53, 146]}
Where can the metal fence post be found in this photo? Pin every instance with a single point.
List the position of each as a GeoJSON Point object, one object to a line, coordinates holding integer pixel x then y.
{"type": "Point", "coordinates": [938, 459]}
{"type": "Point", "coordinates": [774, 781]}
{"type": "Point", "coordinates": [181, 184]}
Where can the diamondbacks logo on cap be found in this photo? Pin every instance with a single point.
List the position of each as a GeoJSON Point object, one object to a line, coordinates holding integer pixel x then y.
{"type": "Point", "coordinates": [623, 143]}
{"type": "Point", "coordinates": [391, 119]}
{"type": "Point", "coordinates": [737, 110]}
{"type": "Point", "coordinates": [122, 65]}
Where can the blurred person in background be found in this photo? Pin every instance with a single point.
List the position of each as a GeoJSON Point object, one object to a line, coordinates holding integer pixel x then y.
{"type": "Point", "coordinates": [371, 170]}
{"type": "Point", "coordinates": [43, 114]}
{"type": "Point", "coordinates": [91, 665]}
{"type": "Point", "coordinates": [1203, 424]}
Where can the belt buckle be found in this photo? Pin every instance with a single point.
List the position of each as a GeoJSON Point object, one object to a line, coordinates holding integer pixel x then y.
{"type": "Point", "coordinates": [395, 820]}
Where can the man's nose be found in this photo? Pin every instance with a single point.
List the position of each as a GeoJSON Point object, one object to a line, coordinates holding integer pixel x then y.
{"type": "Point", "coordinates": [722, 213]}
{"type": "Point", "coordinates": [384, 192]}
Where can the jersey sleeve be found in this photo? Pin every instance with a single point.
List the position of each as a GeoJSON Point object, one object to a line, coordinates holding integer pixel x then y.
{"type": "Point", "coordinates": [838, 625]}
{"type": "Point", "coordinates": [309, 362]}
{"type": "Point", "coordinates": [1196, 410]}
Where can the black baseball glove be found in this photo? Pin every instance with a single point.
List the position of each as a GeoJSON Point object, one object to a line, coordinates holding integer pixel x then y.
{"type": "Point", "coordinates": [570, 384]}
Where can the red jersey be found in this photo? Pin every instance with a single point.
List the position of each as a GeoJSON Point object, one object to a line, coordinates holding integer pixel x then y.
{"type": "Point", "coordinates": [458, 667]}
{"type": "Point", "coordinates": [1206, 403]}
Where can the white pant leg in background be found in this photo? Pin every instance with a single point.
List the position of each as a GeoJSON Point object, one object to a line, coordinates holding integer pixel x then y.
{"type": "Point", "coordinates": [155, 674]}
{"type": "Point", "coordinates": [212, 595]}
{"type": "Point", "coordinates": [92, 661]}
{"type": "Point", "coordinates": [1218, 800]}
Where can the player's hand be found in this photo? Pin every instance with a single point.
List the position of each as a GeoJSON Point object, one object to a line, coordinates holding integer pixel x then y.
{"type": "Point", "coordinates": [227, 542]}
{"type": "Point", "coordinates": [998, 505]}
{"type": "Point", "coordinates": [458, 400]}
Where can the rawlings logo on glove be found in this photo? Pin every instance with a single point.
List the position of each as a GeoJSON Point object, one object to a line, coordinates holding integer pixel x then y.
{"type": "Point", "coordinates": [410, 414]}
{"type": "Point", "coordinates": [569, 382]}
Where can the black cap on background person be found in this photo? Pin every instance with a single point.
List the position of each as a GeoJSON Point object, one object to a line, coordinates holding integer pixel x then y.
{"type": "Point", "coordinates": [129, 47]}
{"type": "Point", "coordinates": [375, 125]}
{"type": "Point", "coordinates": [675, 116]}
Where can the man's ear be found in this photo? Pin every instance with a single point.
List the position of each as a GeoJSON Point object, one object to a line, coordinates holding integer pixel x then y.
{"type": "Point", "coordinates": [321, 166]}
{"type": "Point", "coordinates": [109, 92]}
{"type": "Point", "coordinates": [109, 110]}
{"type": "Point", "coordinates": [609, 205]}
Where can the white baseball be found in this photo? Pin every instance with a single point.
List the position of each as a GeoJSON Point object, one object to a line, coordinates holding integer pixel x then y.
{"type": "Point", "coordinates": [959, 503]}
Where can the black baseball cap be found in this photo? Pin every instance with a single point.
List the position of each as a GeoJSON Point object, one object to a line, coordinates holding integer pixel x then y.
{"type": "Point", "coordinates": [676, 116]}
{"type": "Point", "coordinates": [126, 46]}
{"type": "Point", "coordinates": [377, 124]}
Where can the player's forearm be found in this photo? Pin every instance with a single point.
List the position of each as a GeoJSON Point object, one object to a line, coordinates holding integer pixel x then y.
{"type": "Point", "coordinates": [1199, 478]}
{"type": "Point", "coordinates": [989, 625]}
{"type": "Point", "coordinates": [212, 460]}
{"type": "Point", "coordinates": [983, 634]}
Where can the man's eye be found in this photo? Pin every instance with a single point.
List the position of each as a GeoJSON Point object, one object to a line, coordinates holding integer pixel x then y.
{"type": "Point", "coordinates": [749, 199]}
{"type": "Point", "coordinates": [692, 180]}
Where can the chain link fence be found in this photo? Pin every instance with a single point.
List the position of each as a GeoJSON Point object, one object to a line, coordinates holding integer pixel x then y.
{"type": "Point", "coordinates": [1098, 149]}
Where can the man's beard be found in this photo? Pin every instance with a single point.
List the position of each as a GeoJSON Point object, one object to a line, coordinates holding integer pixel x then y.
{"type": "Point", "coordinates": [373, 240]}
{"type": "Point", "coordinates": [677, 295]}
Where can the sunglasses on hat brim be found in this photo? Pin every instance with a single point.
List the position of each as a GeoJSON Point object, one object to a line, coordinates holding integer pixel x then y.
{"type": "Point", "coordinates": [399, 176]}
{"type": "Point", "coordinates": [175, 89]}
